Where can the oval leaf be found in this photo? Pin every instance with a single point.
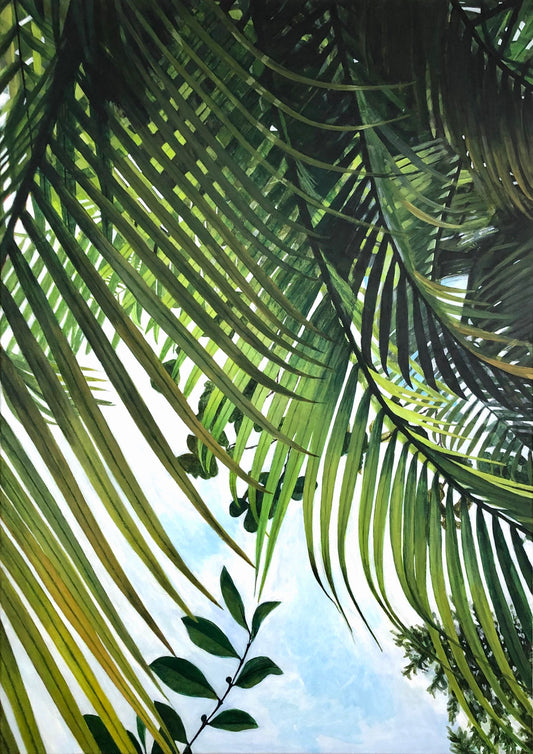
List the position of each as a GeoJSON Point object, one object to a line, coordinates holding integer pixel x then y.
{"type": "Point", "coordinates": [260, 614]}
{"type": "Point", "coordinates": [298, 492]}
{"type": "Point", "coordinates": [103, 738]}
{"type": "Point", "coordinates": [183, 677]}
{"type": "Point", "coordinates": [141, 731]}
{"type": "Point", "coordinates": [136, 744]}
{"type": "Point", "coordinates": [255, 671]}
{"type": "Point", "coordinates": [233, 719]}
{"type": "Point", "coordinates": [172, 722]}
{"type": "Point", "coordinates": [206, 635]}
{"type": "Point", "coordinates": [232, 598]}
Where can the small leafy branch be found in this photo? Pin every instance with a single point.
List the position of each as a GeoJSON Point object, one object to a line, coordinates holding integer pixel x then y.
{"type": "Point", "coordinates": [183, 677]}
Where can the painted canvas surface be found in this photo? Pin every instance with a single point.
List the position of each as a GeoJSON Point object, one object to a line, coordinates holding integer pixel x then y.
{"type": "Point", "coordinates": [266, 376]}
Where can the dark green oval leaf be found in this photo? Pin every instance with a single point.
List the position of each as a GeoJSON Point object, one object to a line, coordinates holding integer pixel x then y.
{"type": "Point", "coordinates": [232, 598]}
{"type": "Point", "coordinates": [260, 614]}
{"type": "Point", "coordinates": [255, 671]}
{"type": "Point", "coordinates": [103, 738]}
{"type": "Point", "coordinates": [250, 522]}
{"type": "Point", "coordinates": [298, 492]}
{"type": "Point", "coordinates": [191, 464]}
{"type": "Point", "coordinates": [141, 731]}
{"type": "Point", "coordinates": [233, 719]}
{"type": "Point", "coordinates": [172, 722]}
{"type": "Point", "coordinates": [183, 677]}
{"type": "Point", "coordinates": [346, 443]}
{"type": "Point", "coordinates": [136, 744]}
{"type": "Point", "coordinates": [237, 507]}
{"type": "Point", "coordinates": [170, 367]}
{"type": "Point", "coordinates": [206, 635]}
{"type": "Point", "coordinates": [192, 444]}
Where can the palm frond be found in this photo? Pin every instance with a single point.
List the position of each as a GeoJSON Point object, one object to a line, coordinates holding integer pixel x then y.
{"type": "Point", "coordinates": [268, 192]}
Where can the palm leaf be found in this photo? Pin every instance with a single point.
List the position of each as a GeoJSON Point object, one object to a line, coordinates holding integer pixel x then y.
{"type": "Point", "coordinates": [291, 192]}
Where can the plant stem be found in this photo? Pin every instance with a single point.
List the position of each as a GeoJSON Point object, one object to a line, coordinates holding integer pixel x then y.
{"type": "Point", "coordinates": [207, 719]}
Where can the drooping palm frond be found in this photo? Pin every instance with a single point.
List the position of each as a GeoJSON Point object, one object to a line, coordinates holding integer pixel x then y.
{"type": "Point", "coordinates": [276, 189]}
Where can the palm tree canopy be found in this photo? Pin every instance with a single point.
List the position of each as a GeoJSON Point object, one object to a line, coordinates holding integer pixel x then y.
{"type": "Point", "coordinates": [325, 210]}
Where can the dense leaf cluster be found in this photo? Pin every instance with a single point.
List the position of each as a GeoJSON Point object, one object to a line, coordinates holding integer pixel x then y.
{"type": "Point", "coordinates": [322, 208]}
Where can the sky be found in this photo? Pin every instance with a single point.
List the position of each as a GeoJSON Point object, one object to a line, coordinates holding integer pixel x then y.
{"type": "Point", "coordinates": [339, 692]}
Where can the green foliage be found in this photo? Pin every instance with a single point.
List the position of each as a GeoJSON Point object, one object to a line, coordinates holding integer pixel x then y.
{"type": "Point", "coordinates": [321, 212]}
{"type": "Point", "coordinates": [233, 719]}
{"type": "Point", "coordinates": [504, 734]}
{"type": "Point", "coordinates": [253, 510]}
{"type": "Point", "coordinates": [185, 678]}
{"type": "Point", "coordinates": [232, 598]}
{"type": "Point", "coordinates": [206, 635]}
{"type": "Point", "coordinates": [261, 612]}
{"type": "Point", "coordinates": [182, 676]}
{"type": "Point", "coordinates": [255, 671]}
{"type": "Point", "coordinates": [172, 722]}
{"type": "Point", "coordinates": [104, 740]}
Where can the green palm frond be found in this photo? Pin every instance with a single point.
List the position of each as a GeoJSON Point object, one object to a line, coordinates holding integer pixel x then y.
{"type": "Point", "coordinates": [280, 195]}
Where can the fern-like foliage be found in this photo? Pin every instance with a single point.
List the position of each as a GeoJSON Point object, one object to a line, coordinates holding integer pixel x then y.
{"type": "Point", "coordinates": [326, 208]}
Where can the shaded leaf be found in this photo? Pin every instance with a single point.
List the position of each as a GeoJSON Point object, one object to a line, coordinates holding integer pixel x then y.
{"type": "Point", "coordinates": [232, 598]}
{"type": "Point", "coordinates": [298, 492]}
{"type": "Point", "coordinates": [183, 677]}
{"type": "Point", "coordinates": [237, 507]}
{"type": "Point", "coordinates": [104, 739]}
{"type": "Point", "coordinates": [261, 612]}
{"type": "Point", "coordinates": [191, 464]}
{"type": "Point", "coordinates": [136, 745]}
{"type": "Point", "coordinates": [256, 670]}
{"type": "Point", "coordinates": [233, 719]}
{"type": "Point", "coordinates": [208, 636]}
{"type": "Point", "coordinates": [141, 731]}
{"type": "Point", "coordinates": [172, 720]}
{"type": "Point", "coordinates": [250, 521]}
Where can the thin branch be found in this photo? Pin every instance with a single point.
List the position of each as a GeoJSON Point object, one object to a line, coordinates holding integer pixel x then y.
{"type": "Point", "coordinates": [206, 719]}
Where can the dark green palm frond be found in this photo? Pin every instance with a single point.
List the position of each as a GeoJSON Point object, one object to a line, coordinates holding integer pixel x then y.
{"type": "Point", "coordinates": [418, 479]}
{"type": "Point", "coordinates": [266, 191]}
{"type": "Point", "coordinates": [480, 97]}
{"type": "Point", "coordinates": [405, 206]}
{"type": "Point", "coordinates": [393, 267]}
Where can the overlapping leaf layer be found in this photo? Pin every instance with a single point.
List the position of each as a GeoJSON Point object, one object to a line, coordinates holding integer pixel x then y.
{"type": "Point", "coordinates": [325, 207]}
